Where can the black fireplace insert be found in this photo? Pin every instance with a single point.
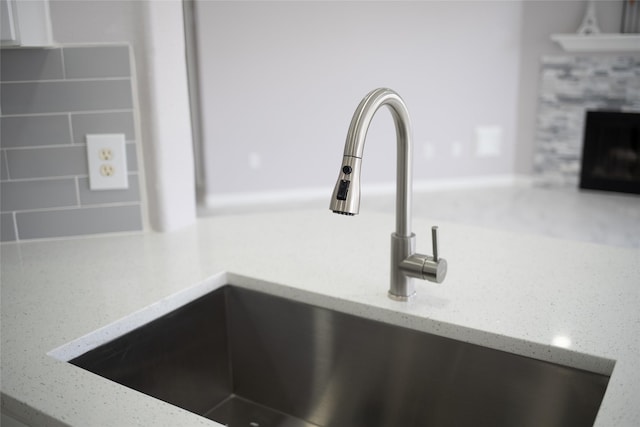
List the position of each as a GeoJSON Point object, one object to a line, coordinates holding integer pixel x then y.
{"type": "Point", "coordinates": [611, 152]}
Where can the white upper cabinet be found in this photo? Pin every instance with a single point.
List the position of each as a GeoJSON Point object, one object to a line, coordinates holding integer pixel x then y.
{"type": "Point", "coordinates": [25, 23]}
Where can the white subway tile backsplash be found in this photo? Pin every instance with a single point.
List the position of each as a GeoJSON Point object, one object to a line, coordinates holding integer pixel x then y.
{"type": "Point", "coordinates": [7, 228]}
{"type": "Point", "coordinates": [30, 131]}
{"type": "Point", "coordinates": [24, 195]}
{"type": "Point", "coordinates": [65, 96]}
{"type": "Point", "coordinates": [47, 162]}
{"type": "Point", "coordinates": [132, 158]}
{"type": "Point", "coordinates": [52, 98]}
{"type": "Point", "coordinates": [89, 62]}
{"type": "Point", "coordinates": [77, 222]}
{"type": "Point", "coordinates": [109, 122]}
{"type": "Point", "coordinates": [31, 64]}
{"type": "Point", "coordinates": [4, 175]}
{"type": "Point", "coordinates": [88, 197]}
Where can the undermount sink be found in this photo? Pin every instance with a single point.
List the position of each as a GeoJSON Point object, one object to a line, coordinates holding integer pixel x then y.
{"type": "Point", "coordinates": [245, 358]}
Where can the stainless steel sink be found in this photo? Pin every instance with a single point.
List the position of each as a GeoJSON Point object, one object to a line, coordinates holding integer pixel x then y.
{"type": "Point", "coordinates": [244, 358]}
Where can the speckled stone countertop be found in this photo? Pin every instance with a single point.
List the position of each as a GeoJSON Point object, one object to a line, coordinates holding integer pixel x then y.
{"type": "Point", "coordinates": [573, 303]}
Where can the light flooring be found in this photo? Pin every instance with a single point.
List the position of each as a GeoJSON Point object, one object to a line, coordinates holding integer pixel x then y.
{"type": "Point", "coordinates": [597, 217]}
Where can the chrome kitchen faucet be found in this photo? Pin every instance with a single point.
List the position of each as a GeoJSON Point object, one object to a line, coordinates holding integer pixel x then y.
{"type": "Point", "coordinates": [405, 263]}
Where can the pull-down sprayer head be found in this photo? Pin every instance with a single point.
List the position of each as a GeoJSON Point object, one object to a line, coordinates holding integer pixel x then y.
{"type": "Point", "coordinates": [346, 194]}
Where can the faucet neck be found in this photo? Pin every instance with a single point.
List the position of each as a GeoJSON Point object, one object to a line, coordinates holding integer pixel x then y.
{"type": "Point", "coordinates": [406, 264]}
{"type": "Point", "coordinates": [354, 147]}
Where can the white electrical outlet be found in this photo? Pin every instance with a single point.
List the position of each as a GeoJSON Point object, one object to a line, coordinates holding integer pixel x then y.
{"type": "Point", "coordinates": [488, 141]}
{"type": "Point", "coordinates": [456, 149]}
{"type": "Point", "coordinates": [428, 150]}
{"type": "Point", "coordinates": [255, 160]}
{"type": "Point", "coordinates": [107, 157]}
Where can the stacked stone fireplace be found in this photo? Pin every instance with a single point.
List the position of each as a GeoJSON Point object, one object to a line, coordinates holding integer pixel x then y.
{"type": "Point", "coordinates": [605, 89]}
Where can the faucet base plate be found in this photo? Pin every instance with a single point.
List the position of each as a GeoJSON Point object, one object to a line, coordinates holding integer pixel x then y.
{"type": "Point", "coordinates": [401, 297]}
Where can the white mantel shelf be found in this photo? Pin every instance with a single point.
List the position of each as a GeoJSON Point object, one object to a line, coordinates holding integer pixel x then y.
{"type": "Point", "coordinates": [598, 42]}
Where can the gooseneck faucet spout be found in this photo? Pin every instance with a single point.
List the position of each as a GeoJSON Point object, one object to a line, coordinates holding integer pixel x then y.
{"type": "Point", "coordinates": [405, 263]}
{"type": "Point", "coordinates": [354, 148]}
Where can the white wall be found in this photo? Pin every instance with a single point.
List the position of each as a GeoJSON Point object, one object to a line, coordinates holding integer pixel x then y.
{"type": "Point", "coordinates": [280, 81]}
{"type": "Point", "coordinates": [155, 31]}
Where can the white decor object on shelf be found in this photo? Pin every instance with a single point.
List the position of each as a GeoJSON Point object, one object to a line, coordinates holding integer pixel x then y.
{"type": "Point", "coordinates": [589, 38]}
{"type": "Point", "coordinates": [589, 22]}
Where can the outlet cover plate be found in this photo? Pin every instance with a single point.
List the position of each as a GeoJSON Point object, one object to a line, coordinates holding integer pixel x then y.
{"type": "Point", "coordinates": [107, 157]}
{"type": "Point", "coordinates": [488, 141]}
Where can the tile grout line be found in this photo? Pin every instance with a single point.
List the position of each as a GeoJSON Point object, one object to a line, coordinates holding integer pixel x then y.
{"type": "Point", "coordinates": [63, 80]}
{"type": "Point", "coordinates": [64, 67]}
{"type": "Point", "coordinates": [15, 225]}
{"type": "Point", "coordinates": [70, 145]}
{"type": "Point", "coordinates": [6, 164]}
{"type": "Point", "coordinates": [46, 178]}
{"type": "Point", "coordinates": [37, 147]}
{"type": "Point", "coordinates": [70, 123]}
{"type": "Point", "coordinates": [76, 207]}
{"type": "Point", "coordinates": [76, 179]}
{"type": "Point", "coordinates": [60, 177]}
{"type": "Point", "coordinates": [77, 182]}
{"type": "Point", "coordinates": [62, 113]}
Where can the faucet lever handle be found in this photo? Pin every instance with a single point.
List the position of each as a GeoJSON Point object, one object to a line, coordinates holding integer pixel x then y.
{"type": "Point", "coordinates": [434, 242]}
{"type": "Point", "coordinates": [434, 269]}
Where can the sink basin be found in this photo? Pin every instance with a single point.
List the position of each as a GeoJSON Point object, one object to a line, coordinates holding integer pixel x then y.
{"type": "Point", "coordinates": [245, 358]}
